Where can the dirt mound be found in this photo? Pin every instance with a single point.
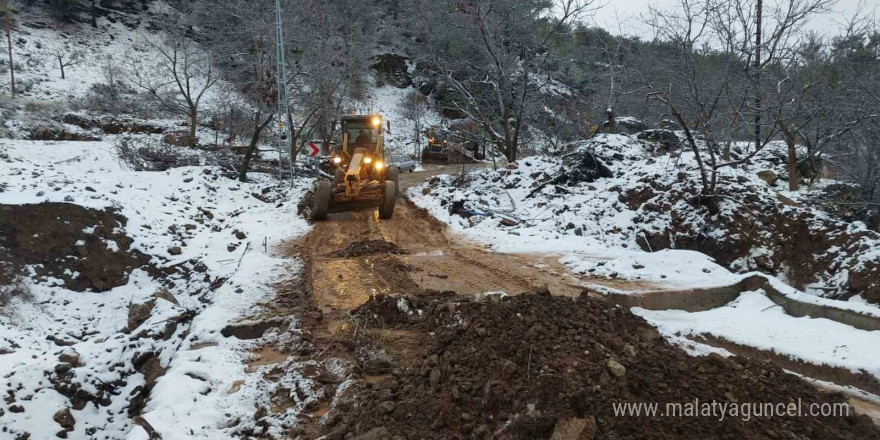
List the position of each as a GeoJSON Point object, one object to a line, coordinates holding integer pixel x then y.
{"type": "Point", "coordinates": [111, 125]}
{"type": "Point", "coordinates": [59, 134]}
{"type": "Point", "coordinates": [537, 366]}
{"type": "Point", "coordinates": [369, 247]}
{"type": "Point", "coordinates": [81, 246]}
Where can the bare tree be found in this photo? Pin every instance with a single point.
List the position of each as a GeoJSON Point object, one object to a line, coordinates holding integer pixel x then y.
{"type": "Point", "coordinates": [507, 42]}
{"type": "Point", "coordinates": [65, 56]}
{"type": "Point", "coordinates": [414, 107]}
{"type": "Point", "coordinates": [176, 74]}
{"type": "Point", "coordinates": [716, 59]}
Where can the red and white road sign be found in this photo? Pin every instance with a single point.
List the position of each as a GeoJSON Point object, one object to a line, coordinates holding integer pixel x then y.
{"type": "Point", "coordinates": [315, 149]}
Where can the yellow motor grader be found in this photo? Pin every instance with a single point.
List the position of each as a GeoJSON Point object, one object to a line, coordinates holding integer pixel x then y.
{"type": "Point", "coordinates": [361, 178]}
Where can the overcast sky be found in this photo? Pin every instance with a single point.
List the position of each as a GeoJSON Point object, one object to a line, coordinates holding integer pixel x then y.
{"type": "Point", "coordinates": [621, 16]}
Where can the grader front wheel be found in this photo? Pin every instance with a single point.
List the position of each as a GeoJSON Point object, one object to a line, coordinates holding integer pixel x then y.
{"type": "Point", "coordinates": [389, 198]}
{"type": "Point", "coordinates": [322, 200]}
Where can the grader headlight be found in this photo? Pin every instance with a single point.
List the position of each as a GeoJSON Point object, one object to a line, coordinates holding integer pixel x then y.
{"type": "Point", "coordinates": [377, 121]}
{"type": "Point", "coordinates": [379, 165]}
{"type": "Point", "coordinates": [337, 160]}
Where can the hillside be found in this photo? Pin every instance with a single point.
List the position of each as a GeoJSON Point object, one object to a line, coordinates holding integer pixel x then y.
{"type": "Point", "coordinates": [165, 272]}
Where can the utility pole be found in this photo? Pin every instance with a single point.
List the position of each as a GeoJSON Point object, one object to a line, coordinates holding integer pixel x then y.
{"type": "Point", "coordinates": [7, 13]}
{"type": "Point", "coordinates": [283, 105]}
{"type": "Point", "coordinates": [759, 11]}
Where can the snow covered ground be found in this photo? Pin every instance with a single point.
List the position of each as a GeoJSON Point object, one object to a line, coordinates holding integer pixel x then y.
{"type": "Point", "coordinates": [223, 231]}
{"type": "Point", "coordinates": [754, 320]}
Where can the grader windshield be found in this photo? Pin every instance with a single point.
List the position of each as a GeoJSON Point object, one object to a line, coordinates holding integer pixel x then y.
{"type": "Point", "coordinates": [362, 132]}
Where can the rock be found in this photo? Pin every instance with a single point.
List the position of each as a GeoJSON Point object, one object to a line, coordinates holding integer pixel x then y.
{"type": "Point", "coordinates": [138, 313]}
{"type": "Point", "coordinates": [167, 296]}
{"type": "Point", "coordinates": [512, 166]}
{"type": "Point", "coordinates": [786, 201]}
{"type": "Point", "coordinates": [542, 290]}
{"type": "Point", "coordinates": [338, 432]}
{"type": "Point", "coordinates": [16, 409]}
{"type": "Point", "coordinates": [768, 176]}
{"type": "Point", "coordinates": [386, 407]}
{"type": "Point", "coordinates": [638, 266]}
{"type": "Point", "coordinates": [494, 298]}
{"type": "Point", "coordinates": [574, 429]}
{"type": "Point", "coordinates": [375, 434]}
{"type": "Point", "coordinates": [508, 222]}
{"type": "Point", "coordinates": [434, 377]}
{"type": "Point", "coordinates": [62, 368]}
{"type": "Point", "coordinates": [667, 138]}
{"type": "Point", "coordinates": [70, 356]}
{"type": "Point", "coordinates": [616, 368]}
{"type": "Point", "coordinates": [240, 235]}
{"type": "Point", "coordinates": [630, 125]}
{"type": "Point", "coordinates": [189, 226]}
{"type": "Point", "coordinates": [175, 250]}
{"type": "Point", "coordinates": [65, 419]}
{"type": "Point", "coordinates": [629, 350]}
{"type": "Point", "coordinates": [68, 198]}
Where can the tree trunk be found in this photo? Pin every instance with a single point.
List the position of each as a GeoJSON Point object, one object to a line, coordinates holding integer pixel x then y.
{"type": "Point", "coordinates": [8, 18]}
{"type": "Point", "coordinates": [61, 63]}
{"type": "Point", "coordinates": [193, 126]}
{"type": "Point", "coordinates": [252, 146]}
{"type": "Point", "coordinates": [793, 177]}
{"type": "Point", "coordinates": [94, 13]}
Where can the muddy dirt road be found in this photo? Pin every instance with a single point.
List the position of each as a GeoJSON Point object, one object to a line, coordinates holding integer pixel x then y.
{"type": "Point", "coordinates": [428, 258]}
{"type": "Point", "coordinates": [354, 257]}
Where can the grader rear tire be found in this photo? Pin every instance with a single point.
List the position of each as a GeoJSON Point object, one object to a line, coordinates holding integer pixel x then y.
{"type": "Point", "coordinates": [322, 200]}
{"type": "Point", "coordinates": [389, 198]}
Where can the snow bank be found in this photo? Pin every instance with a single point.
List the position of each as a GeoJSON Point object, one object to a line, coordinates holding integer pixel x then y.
{"type": "Point", "coordinates": [226, 236]}
{"type": "Point", "coordinates": [754, 320]}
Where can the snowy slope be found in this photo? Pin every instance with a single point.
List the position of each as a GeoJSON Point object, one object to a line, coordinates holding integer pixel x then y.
{"type": "Point", "coordinates": [645, 208]}
{"type": "Point", "coordinates": [202, 365]}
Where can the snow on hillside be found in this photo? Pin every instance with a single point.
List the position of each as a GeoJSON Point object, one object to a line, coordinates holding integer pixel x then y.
{"type": "Point", "coordinates": [97, 56]}
{"type": "Point", "coordinates": [210, 237]}
{"type": "Point", "coordinates": [389, 100]}
{"type": "Point", "coordinates": [647, 206]}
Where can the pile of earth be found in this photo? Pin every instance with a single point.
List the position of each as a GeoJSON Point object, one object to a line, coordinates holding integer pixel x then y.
{"type": "Point", "coordinates": [368, 247]}
{"type": "Point", "coordinates": [83, 247]}
{"type": "Point", "coordinates": [537, 366]}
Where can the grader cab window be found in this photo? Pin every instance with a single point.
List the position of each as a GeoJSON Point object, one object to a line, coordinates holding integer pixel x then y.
{"type": "Point", "coordinates": [361, 134]}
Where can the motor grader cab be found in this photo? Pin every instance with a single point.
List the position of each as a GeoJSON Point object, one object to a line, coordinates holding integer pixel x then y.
{"type": "Point", "coordinates": [360, 175]}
